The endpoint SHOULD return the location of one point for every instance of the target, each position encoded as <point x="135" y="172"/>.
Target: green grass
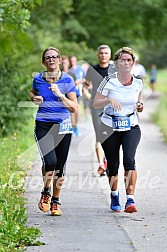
<point x="162" y="81"/>
<point x="161" y="85"/>
<point x="160" y="116"/>
<point x="14" y="233"/>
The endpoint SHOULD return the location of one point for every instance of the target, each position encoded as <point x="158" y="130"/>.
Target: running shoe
<point x="101" y="170"/>
<point x="115" y="205"/>
<point x="105" y="165"/>
<point x="44" y="203"/>
<point x="77" y="131"/>
<point x="55" y="208"/>
<point x="130" y="206"/>
<point x="74" y="131"/>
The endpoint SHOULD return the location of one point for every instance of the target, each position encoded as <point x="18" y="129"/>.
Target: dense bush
<point x="14" y="88"/>
<point x="15" y="46"/>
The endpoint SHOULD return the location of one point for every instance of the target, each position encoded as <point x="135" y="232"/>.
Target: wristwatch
<point x="61" y="98"/>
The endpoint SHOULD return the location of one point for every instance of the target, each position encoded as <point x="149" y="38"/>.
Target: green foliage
<point x="13" y="230"/>
<point x="119" y="23"/>
<point x="14" y="85"/>
<point x="65" y="31"/>
<point x="160" y="117"/>
<point x="73" y="29"/>
<point x="14" y="233"/>
<point x="153" y="53"/>
<point x="15" y="45"/>
<point x="16" y="12"/>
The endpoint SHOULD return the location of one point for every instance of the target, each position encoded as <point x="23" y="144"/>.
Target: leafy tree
<point x="14" y="46"/>
<point x="76" y="28"/>
<point x="120" y="23"/>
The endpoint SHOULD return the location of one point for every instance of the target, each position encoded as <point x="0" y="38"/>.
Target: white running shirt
<point x="127" y="96"/>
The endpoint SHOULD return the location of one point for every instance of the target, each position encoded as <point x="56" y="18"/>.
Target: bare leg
<point x="57" y="186"/>
<point x="73" y="120"/>
<point x="99" y="153"/>
<point x="130" y="181"/>
<point x="113" y="182"/>
<point x="100" y="158"/>
<point x="47" y="177"/>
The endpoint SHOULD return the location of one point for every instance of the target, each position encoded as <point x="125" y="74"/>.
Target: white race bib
<point x="65" y="127"/>
<point x="121" y="123"/>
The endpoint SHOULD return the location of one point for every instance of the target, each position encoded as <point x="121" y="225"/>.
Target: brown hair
<point x="122" y="50"/>
<point x="48" y="49"/>
<point x="65" y="57"/>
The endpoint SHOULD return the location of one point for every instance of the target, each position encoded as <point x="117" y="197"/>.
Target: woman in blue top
<point x="55" y="93"/>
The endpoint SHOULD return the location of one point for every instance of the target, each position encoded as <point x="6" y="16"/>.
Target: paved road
<point x="87" y="223"/>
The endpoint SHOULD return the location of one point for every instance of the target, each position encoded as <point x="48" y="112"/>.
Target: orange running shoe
<point x="105" y="165"/>
<point x="44" y="203"/>
<point x="55" y="208"/>
<point x="102" y="169"/>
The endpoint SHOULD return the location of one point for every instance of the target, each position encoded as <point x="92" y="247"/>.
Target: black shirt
<point x="95" y="74"/>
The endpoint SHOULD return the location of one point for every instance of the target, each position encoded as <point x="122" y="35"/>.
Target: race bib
<point x="65" y="127"/>
<point x="121" y="123"/>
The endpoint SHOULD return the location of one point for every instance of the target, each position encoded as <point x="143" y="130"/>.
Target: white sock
<point x="114" y="193"/>
<point x="130" y="196"/>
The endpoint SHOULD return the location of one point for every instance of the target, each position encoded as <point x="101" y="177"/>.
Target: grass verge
<point x="160" y="116"/>
<point x="14" y="232"/>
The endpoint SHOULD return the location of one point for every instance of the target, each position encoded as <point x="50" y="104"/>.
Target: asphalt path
<point x="87" y="223"/>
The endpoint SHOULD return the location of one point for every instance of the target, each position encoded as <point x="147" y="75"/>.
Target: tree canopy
<point x="76" y="28"/>
<point x="86" y="24"/>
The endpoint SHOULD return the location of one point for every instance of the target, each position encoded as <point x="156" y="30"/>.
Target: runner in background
<point x="138" y="69"/>
<point x="86" y="93"/>
<point x="65" y="66"/>
<point x="153" y="79"/>
<point x="80" y="74"/>
<point x="93" y="79"/>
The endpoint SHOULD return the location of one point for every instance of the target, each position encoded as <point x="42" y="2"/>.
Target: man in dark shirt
<point x="94" y="76"/>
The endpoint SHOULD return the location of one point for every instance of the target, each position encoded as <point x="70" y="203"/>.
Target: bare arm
<point x="139" y="105"/>
<point x="87" y="84"/>
<point x="101" y="101"/>
<point x="70" y="101"/>
<point x="35" y="98"/>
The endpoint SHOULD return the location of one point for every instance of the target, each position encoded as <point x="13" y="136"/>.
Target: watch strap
<point x="61" y="98"/>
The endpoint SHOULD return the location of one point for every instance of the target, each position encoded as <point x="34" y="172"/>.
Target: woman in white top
<point x="120" y="94"/>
